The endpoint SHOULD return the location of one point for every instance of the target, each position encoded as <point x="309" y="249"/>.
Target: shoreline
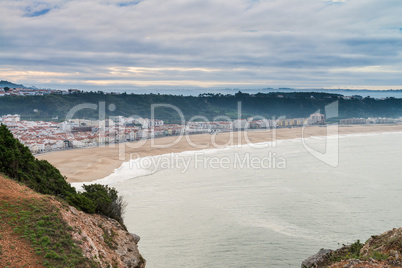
<point x="94" y="163"/>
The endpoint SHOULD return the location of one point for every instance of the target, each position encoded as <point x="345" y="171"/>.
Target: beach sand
<point x="89" y="164"/>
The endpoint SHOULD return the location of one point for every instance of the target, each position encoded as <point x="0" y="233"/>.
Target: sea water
<point x="192" y="214"/>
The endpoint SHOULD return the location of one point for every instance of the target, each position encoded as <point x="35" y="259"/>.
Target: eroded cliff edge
<point x="103" y="239"/>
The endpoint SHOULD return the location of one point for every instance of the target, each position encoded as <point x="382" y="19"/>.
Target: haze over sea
<point x="195" y="92"/>
<point x="262" y="217"/>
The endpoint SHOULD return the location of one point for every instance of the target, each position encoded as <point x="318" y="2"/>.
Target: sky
<point x="92" y="44"/>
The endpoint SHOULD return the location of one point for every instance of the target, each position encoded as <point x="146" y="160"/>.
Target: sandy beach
<point x="89" y="164"/>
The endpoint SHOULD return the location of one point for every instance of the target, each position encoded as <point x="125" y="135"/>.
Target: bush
<point x="355" y="248"/>
<point x="53" y="255"/>
<point x="106" y="200"/>
<point x="82" y="202"/>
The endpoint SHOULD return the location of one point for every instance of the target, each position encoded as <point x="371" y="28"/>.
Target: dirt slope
<point x="14" y="250"/>
<point x="31" y="223"/>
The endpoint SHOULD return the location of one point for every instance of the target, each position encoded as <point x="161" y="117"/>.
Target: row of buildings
<point x="370" y="120"/>
<point x="5" y="91"/>
<point x="42" y="136"/>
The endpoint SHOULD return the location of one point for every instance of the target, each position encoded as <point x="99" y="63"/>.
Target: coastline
<point x="90" y="164"/>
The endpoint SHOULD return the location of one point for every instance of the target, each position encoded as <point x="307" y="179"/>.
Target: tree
<point x="6" y="89"/>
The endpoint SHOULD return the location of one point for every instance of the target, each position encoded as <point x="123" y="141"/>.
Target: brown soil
<point x="15" y="251"/>
<point x="101" y="239"/>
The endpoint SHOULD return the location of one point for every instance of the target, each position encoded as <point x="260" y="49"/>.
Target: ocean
<point x="272" y="206"/>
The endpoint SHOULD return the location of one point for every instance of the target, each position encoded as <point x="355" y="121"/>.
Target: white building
<point x="240" y="124"/>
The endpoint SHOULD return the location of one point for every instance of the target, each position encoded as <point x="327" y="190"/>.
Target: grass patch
<point x="376" y="255"/>
<point x="39" y="222"/>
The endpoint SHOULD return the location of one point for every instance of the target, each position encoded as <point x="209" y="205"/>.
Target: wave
<point x="136" y="168"/>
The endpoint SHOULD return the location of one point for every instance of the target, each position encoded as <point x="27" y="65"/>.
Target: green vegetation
<point x="17" y="162"/>
<point x="353" y="252"/>
<point x="355" y="248"/>
<point x="10" y="85"/>
<point x="108" y="237"/>
<point x="291" y="105"/>
<point x="39" y="221"/>
<point x="106" y="201"/>
<point x="347" y="252"/>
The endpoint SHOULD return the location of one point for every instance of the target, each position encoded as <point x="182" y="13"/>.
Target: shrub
<point x="106" y="200"/>
<point x="53" y="255"/>
<point x="355" y="248"/>
<point x="82" y="202"/>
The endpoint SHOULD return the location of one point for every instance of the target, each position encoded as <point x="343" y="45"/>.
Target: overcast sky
<point x="202" y="43"/>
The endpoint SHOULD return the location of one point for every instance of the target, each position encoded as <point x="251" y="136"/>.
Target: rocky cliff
<point x="42" y="231"/>
<point x="383" y="250"/>
<point x="103" y="239"/>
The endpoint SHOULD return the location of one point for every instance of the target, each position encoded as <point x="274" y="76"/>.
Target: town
<point x="7" y="91"/>
<point x="40" y="136"/>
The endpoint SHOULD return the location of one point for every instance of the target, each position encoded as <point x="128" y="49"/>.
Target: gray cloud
<point x="202" y="43"/>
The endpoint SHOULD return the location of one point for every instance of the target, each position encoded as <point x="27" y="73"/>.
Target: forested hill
<point x="291" y="105"/>
<point x="4" y="83"/>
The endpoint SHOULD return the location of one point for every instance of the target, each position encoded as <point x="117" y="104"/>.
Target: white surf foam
<point x="129" y="170"/>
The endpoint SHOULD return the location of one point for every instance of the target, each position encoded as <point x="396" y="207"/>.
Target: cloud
<point x="244" y="42"/>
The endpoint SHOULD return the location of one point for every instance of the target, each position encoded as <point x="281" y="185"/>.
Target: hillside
<point x="291" y="105"/>
<point x="40" y="231"/>
<point x="43" y="220"/>
<point x="17" y="162"/>
<point x="4" y="83"/>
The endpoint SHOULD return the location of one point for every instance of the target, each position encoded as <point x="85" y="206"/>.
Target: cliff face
<point x="40" y="231"/>
<point x="103" y="239"/>
<point x="383" y="250"/>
